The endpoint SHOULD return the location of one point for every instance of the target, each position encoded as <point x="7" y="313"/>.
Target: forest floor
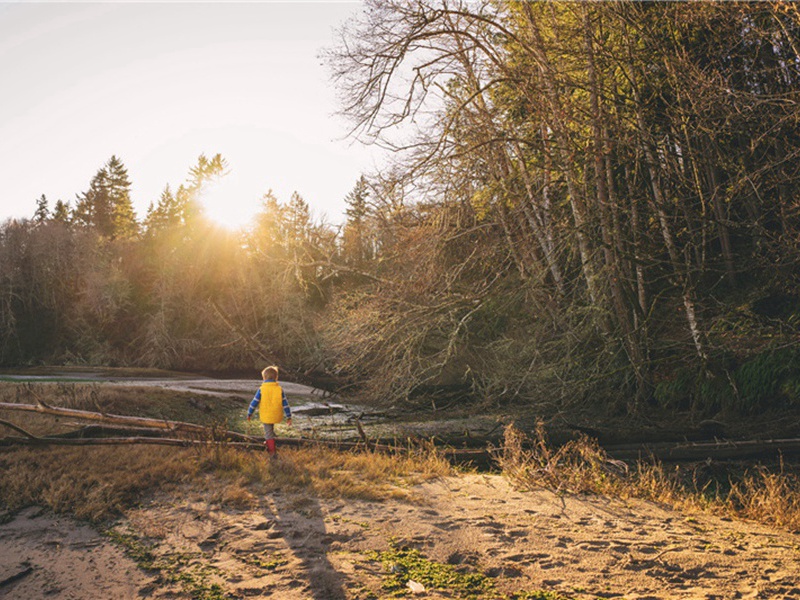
<point x="465" y="536"/>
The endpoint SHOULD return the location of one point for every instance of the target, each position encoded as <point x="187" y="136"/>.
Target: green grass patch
<point x="404" y="564"/>
<point x="135" y="548"/>
<point x="266" y="561"/>
<point x="194" y="578"/>
<point x="538" y="595"/>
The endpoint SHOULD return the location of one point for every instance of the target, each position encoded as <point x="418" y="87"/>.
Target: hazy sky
<point x="157" y="85"/>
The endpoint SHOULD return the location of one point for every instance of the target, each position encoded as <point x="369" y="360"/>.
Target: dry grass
<point x="98" y="483"/>
<point x="323" y="472"/>
<point x="89" y="483"/>
<point x="768" y="496"/>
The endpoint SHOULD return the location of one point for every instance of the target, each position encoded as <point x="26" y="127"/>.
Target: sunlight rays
<point x="228" y="203"/>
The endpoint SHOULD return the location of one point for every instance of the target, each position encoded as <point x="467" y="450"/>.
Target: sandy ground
<point x="42" y="556"/>
<point x="295" y="547"/>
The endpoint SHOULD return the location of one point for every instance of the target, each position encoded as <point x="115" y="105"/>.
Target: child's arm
<point x="287" y="412"/>
<point x="254" y="403"/>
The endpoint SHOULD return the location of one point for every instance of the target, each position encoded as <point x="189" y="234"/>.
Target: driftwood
<point x="141" y="434"/>
<point x="256" y="444"/>
<point x="139" y="426"/>
<point x="140" y="430"/>
<point x="477" y="458"/>
<point x="698" y="451"/>
<point x="86" y="415"/>
<point x="123" y="441"/>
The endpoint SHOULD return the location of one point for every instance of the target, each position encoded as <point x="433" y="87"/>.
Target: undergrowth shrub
<point x="581" y="466"/>
<point x="770" y="379"/>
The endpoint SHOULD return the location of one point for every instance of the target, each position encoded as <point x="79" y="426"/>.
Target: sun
<point x="229" y="203"/>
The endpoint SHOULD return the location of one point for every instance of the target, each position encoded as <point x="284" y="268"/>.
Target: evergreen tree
<point x="355" y="242"/>
<point x="106" y="206"/>
<point x="298" y="219"/>
<point x="61" y="212"/>
<point x="123" y="218"/>
<point x="269" y="235"/>
<point x="42" y="211"/>
<point x="93" y="207"/>
<point x="187" y="198"/>
<point x="164" y="215"/>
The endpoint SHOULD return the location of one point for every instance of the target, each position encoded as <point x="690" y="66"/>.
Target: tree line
<point x="586" y="202"/>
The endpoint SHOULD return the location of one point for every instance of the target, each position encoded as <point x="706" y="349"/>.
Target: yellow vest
<point x="270" y="409"/>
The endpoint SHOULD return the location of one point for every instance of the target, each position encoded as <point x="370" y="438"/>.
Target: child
<point x="273" y="406"/>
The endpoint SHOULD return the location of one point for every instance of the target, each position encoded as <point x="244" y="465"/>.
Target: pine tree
<point x="355" y="242"/>
<point x="164" y="215"/>
<point x="187" y="198"/>
<point x="269" y="235"/>
<point x="93" y="207"/>
<point x="106" y="205"/>
<point x="61" y="212"/>
<point x="123" y="218"/>
<point x="42" y="211"/>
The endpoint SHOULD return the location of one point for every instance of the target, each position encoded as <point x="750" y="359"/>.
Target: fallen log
<point x="147" y="426"/>
<point x="458" y="456"/>
<point x="86" y="415"/>
<point x="124" y="441"/>
<point x="474" y="458"/>
<point x="97" y="431"/>
<point x="698" y="451"/>
<point x="17" y="428"/>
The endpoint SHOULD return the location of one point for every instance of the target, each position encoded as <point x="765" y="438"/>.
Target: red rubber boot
<point x="271" y="447"/>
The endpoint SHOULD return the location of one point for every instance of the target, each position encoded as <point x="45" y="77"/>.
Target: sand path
<point x="294" y="547"/>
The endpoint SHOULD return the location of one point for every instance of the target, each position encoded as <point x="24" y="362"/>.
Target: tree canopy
<point x="586" y="202"/>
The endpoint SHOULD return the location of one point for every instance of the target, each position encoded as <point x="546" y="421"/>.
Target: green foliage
<point x="404" y="564"/>
<point x="140" y="551"/>
<point x="193" y="577"/>
<point x="106" y="206"/>
<point x="768" y="380"/>
<point x="267" y="562"/>
<point x="538" y="595"/>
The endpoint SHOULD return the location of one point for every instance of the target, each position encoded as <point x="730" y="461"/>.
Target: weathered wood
<point x="86" y="415"/>
<point x="479" y="458"/>
<point x="718" y="450"/>
<point x="685" y="451"/>
<point x="17" y="428"/>
<point x="96" y="431"/>
<point x="121" y="441"/>
<point x="183" y="427"/>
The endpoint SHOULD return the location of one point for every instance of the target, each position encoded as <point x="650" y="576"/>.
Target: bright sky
<point x="159" y="84"/>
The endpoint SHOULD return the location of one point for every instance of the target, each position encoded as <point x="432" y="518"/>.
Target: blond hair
<point x="270" y="373"/>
